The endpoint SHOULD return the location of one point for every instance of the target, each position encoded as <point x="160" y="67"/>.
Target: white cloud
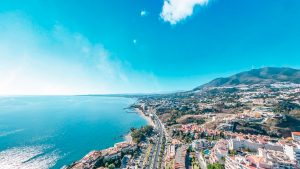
<point x="176" y="10"/>
<point x="144" y="13"/>
<point x="38" y="61"/>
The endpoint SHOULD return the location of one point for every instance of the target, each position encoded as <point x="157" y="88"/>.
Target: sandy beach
<point x="128" y="137"/>
<point x="147" y="118"/>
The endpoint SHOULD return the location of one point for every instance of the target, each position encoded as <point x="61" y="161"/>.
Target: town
<point x="232" y="127"/>
<point x="245" y="126"/>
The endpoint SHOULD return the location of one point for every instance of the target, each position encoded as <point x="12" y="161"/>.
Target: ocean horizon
<point x="41" y="132"/>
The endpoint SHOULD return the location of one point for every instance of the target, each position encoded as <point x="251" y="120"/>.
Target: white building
<point x="277" y="159"/>
<point x="236" y="162"/>
<point x="292" y="150"/>
<point x="296" y="136"/>
<point x="219" y="151"/>
<point x="171" y="150"/>
<point x="238" y="143"/>
<point x="252" y="145"/>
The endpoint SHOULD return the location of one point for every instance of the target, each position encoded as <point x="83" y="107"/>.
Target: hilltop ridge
<point x="266" y="75"/>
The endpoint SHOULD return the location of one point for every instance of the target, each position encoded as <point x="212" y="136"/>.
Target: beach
<point x="147" y="118"/>
<point x="128" y="137"/>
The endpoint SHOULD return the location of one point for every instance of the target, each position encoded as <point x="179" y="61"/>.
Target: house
<point x="200" y="144"/>
<point x="124" y="161"/>
<point x="296" y="136"/>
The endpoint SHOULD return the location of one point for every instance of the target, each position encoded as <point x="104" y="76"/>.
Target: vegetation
<point x="194" y="163"/>
<point x="232" y="152"/>
<point x="216" y="166"/>
<point x="108" y="162"/>
<point x="111" y="166"/>
<point x="193" y="120"/>
<point x="256" y="76"/>
<point x="141" y="134"/>
<point x="162" y="151"/>
<point x="170" y="165"/>
<point x="286" y="107"/>
<point x="147" y="154"/>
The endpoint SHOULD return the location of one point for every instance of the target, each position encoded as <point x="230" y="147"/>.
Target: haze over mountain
<point x="265" y="75"/>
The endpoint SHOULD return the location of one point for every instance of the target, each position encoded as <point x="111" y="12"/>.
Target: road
<point x="154" y="162"/>
<point x="150" y="159"/>
<point x="159" y="144"/>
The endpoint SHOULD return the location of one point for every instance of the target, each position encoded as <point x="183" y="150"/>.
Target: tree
<point x="132" y="129"/>
<point x="139" y="135"/>
<point x="111" y="166"/>
<point x="232" y="152"/>
<point x="222" y="135"/>
<point x="202" y="134"/>
<point x="200" y="121"/>
<point x="147" y="130"/>
<point x="216" y="166"/>
<point x="213" y="137"/>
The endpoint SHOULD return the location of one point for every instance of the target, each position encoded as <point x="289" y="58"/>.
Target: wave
<point x="2" y="134"/>
<point x="28" y="157"/>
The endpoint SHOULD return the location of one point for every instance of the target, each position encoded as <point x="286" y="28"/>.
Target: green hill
<point x="265" y="75"/>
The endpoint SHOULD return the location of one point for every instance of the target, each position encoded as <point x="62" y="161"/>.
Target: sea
<point x="41" y="132"/>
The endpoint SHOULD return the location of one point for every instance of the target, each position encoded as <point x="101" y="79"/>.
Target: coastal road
<point x="150" y="159"/>
<point x="159" y="144"/>
<point x="154" y="163"/>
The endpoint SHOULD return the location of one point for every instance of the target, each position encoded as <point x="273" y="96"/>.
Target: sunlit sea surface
<point x="40" y="132"/>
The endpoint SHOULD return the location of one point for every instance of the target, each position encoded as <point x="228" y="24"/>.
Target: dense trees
<point x="216" y="166"/>
<point x="286" y="106"/>
<point x="111" y="166"/>
<point x="141" y="134"/>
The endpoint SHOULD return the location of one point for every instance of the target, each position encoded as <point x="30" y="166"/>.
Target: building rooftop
<point x="296" y="133"/>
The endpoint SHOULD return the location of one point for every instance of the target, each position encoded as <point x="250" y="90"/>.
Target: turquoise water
<point x="206" y="152"/>
<point x="51" y="131"/>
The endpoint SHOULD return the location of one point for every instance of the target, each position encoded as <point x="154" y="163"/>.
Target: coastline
<point x="147" y="118"/>
<point x="127" y="137"/>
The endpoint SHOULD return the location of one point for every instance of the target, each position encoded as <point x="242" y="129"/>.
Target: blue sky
<point x="132" y="46"/>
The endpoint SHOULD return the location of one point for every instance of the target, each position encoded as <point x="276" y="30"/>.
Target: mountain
<point x="264" y="75"/>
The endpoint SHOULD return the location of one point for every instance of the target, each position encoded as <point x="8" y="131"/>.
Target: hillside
<point x="262" y="76"/>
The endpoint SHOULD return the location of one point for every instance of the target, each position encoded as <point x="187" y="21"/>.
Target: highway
<point x="154" y="162"/>
<point x="159" y="144"/>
